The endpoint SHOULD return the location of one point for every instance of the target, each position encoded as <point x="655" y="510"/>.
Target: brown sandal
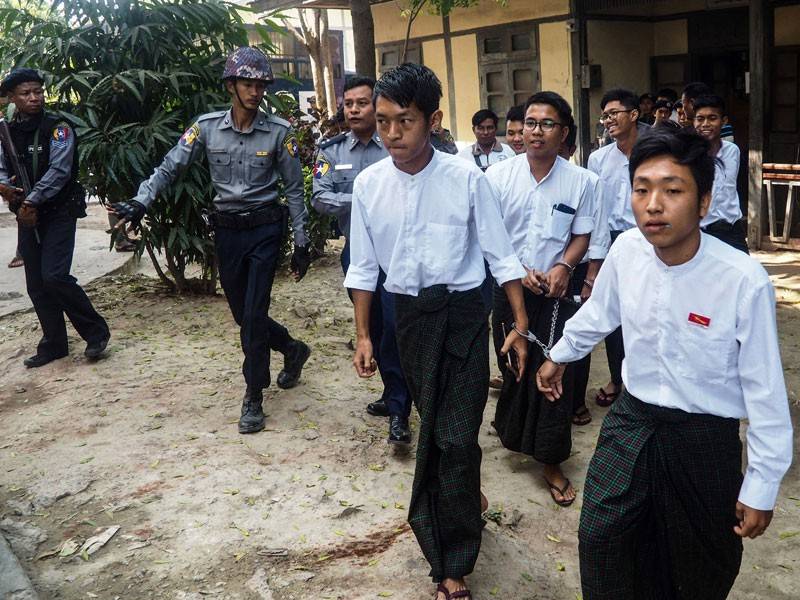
<point x="562" y="491"/>
<point x="604" y="398"/>
<point x="582" y="416"/>
<point x="448" y="595"/>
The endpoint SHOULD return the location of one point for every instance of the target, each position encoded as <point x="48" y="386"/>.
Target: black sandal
<point x="582" y="416"/>
<point x="561" y="491"/>
<point x="448" y="595"/>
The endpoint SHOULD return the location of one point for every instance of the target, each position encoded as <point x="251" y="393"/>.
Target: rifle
<point x="10" y="151"/>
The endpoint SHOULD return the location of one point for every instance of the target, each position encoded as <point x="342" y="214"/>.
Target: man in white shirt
<point x="515" y="134"/>
<point x="665" y="504"/>
<point x="547" y="205"/>
<point x="428" y="220"/>
<point x="487" y="149"/>
<point x="620" y="116"/>
<point x="724" y="218"/>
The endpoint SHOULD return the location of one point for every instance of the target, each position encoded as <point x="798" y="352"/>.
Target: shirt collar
<point x="261" y="122"/>
<point x="476" y="149"/>
<point x="422" y="175"/>
<point x="556" y="166"/>
<point x="376" y="139"/>
<point x="684" y="267"/>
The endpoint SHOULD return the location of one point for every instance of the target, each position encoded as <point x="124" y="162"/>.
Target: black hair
<point x="677" y="105"/>
<point x="483" y="114"/>
<point x="667" y="93"/>
<point x="696" y="89"/>
<point x="710" y="101"/>
<point x="551" y="98"/>
<point x="17" y="76"/>
<point x="625" y="97"/>
<point x="684" y="146"/>
<point x="410" y="83"/>
<point x="358" y="81"/>
<point x="662" y="104"/>
<point x="515" y="113"/>
<point x="667" y="124"/>
<point x="647" y="96"/>
<point x="572" y="136"/>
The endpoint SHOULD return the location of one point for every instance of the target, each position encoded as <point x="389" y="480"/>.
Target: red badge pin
<point x="699" y="319"/>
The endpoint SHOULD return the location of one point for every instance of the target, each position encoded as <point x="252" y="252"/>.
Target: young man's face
<point x="618" y="119"/>
<point x="543" y="144"/>
<point x="663" y="114"/>
<point x="28" y="97"/>
<point x="708" y="122"/>
<point x="485" y="133"/>
<point x="515" y="137"/>
<point x="688" y="107"/>
<point x="645" y="106"/>
<point x="405" y="131"/>
<point x="665" y="203"/>
<point x="683" y="120"/>
<point x="359" y="113"/>
<point x="246" y="93"/>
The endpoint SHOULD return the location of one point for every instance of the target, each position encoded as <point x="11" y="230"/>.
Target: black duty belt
<point x="724" y="227"/>
<point x="269" y="213"/>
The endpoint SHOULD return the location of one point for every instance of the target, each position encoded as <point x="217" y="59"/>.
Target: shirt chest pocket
<point x="259" y="169"/>
<point x="219" y="164"/>
<point x="702" y="358"/>
<point x="444" y="247"/>
<point x="343" y="181"/>
<point x="559" y="225"/>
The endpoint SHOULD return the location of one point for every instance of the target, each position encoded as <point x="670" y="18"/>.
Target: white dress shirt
<point x="475" y="155"/>
<point x="611" y="165"/>
<point x="435" y="227"/>
<point x="724" y="197"/>
<point x="700" y="337"/>
<point x="600" y="240"/>
<point x="542" y="216"/>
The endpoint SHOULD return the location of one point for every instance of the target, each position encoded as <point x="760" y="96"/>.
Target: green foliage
<point x="132" y="75"/>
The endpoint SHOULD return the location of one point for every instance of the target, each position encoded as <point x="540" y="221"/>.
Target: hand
<point x="519" y="345"/>
<point x="586" y="293"/>
<point x="27" y="215"/>
<point x="363" y="360"/>
<point x="131" y="212"/>
<point x="535" y="281"/>
<point x="557" y="280"/>
<point x="548" y="380"/>
<point x="11" y="194"/>
<point x="752" y="522"/>
<point x="301" y="260"/>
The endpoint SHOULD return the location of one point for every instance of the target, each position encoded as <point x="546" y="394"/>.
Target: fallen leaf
<point x="560" y="567"/>
<point x="553" y="538"/>
<point x="94" y="543"/>
<point x="784" y="535"/>
<point x="87" y="459"/>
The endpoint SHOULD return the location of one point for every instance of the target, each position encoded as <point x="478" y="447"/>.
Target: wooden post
<point x="758" y="76"/>
<point x="451" y="78"/>
<point x="580" y="96"/>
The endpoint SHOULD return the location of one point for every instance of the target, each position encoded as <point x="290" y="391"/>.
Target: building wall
<point x="491" y="12"/>
<point x="787" y="25"/>
<point x="434" y="54"/>
<point x="465" y="71"/>
<point x="390" y="26"/>
<point x="670" y="37"/>
<point x="555" y="59"/>
<point x="623" y="50"/>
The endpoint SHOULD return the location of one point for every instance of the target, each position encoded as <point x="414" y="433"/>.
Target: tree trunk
<point x="327" y="64"/>
<point x="363" y="37"/>
<point x="415" y="10"/>
<point x="309" y="36"/>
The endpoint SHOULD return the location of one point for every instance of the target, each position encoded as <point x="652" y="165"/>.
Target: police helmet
<point x="17" y="76"/>
<point x="248" y="63"/>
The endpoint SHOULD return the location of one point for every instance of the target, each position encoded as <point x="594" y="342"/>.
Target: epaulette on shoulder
<point x="279" y="121"/>
<point x="212" y="115"/>
<point x="331" y="141"/>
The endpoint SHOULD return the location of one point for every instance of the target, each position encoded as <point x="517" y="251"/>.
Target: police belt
<point x="723" y="227"/>
<point x="269" y="213"/>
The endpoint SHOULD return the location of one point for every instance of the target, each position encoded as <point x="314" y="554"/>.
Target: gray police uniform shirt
<point x="338" y="161"/>
<point x="59" y="171"/>
<point x="244" y="165"/>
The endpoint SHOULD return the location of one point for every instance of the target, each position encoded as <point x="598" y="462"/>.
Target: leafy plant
<point x="132" y="75"/>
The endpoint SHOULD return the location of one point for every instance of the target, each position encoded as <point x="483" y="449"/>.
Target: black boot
<point x="40" y="360"/>
<point x="252" y="419"/>
<point x="293" y="361"/>
<point x="399" y="433"/>
<point x="378" y="408"/>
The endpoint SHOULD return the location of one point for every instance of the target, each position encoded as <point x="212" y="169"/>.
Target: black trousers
<point x="53" y="291"/>
<point x="732" y="234"/>
<point x="615" y="347"/>
<point x="580" y="368"/>
<point x="248" y="259"/>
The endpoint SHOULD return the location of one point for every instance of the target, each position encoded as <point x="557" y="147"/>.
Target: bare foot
<point x="560" y="487"/>
<point x="453" y="585"/>
<point x="611" y="388"/>
<point x="484" y="503"/>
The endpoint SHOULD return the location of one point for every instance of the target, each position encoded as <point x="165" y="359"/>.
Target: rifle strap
<point x="35" y="155"/>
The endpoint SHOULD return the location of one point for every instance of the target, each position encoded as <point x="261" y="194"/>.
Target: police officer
<point x="247" y="151"/>
<point x="338" y="161"/>
<point x="47" y="146"/>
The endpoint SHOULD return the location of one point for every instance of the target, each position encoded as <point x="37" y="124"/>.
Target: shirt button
<point x="240" y="162"/>
<point x="240" y="143"/>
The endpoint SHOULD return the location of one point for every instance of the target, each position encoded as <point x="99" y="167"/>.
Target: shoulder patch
<point x="190" y="136"/>
<point x="290" y="143"/>
<point x="321" y="167"/>
<point x="331" y="141"/>
<point x="61" y="134"/>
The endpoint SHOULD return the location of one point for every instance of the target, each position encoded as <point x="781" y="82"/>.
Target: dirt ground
<point x="314" y="507"/>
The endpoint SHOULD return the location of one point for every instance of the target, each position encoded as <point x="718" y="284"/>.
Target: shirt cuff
<point x="507" y="269"/>
<point x="301" y="239"/>
<point x="582" y="225"/>
<point x="757" y="493"/>
<point x="361" y="279"/>
<point x="563" y="352"/>
<point x="597" y="252"/>
<point x="34" y="198"/>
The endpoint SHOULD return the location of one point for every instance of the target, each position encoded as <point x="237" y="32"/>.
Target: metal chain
<point x="531" y="337"/>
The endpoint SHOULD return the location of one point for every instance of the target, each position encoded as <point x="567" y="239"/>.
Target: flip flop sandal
<point x="561" y="491"/>
<point x="17" y="261"/>
<point x="448" y="595"/>
<point x="604" y="398"/>
<point x="496" y="382"/>
<point x="582" y="416"/>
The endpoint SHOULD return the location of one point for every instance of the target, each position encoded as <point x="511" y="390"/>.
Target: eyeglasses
<point x="546" y="125"/>
<point x="613" y="114"/>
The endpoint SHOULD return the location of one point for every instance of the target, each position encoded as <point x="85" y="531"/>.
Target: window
<point x="389" y="55"/>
